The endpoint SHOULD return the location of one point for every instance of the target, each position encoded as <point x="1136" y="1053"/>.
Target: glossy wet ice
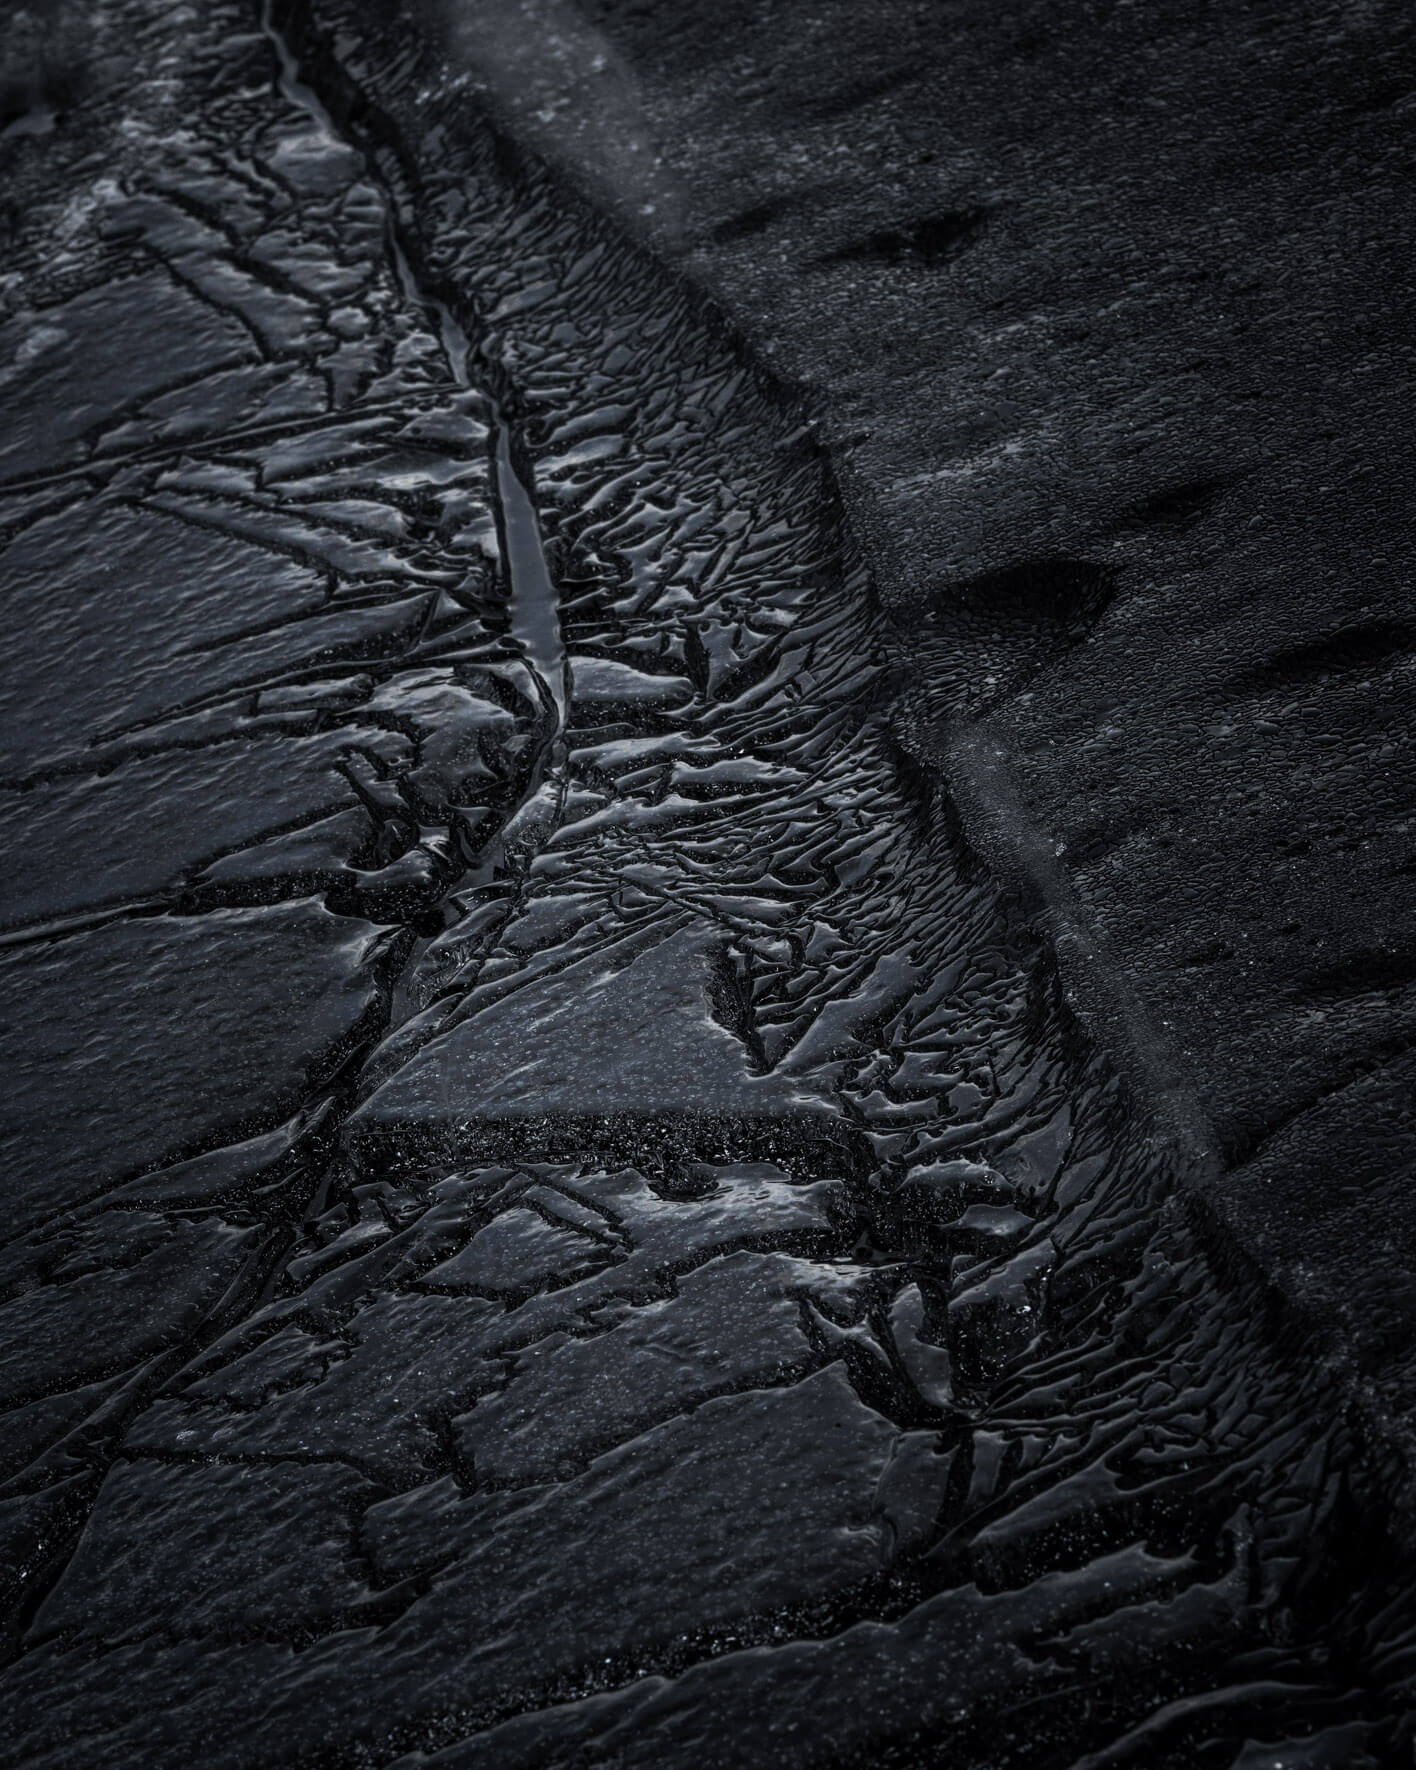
<point x="557" y="1215"/>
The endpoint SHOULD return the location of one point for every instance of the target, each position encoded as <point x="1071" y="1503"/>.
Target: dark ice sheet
<point x="560" y="1214"/>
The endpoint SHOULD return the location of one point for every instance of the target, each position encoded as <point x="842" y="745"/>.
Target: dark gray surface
<point x="1121" y="295"/>
<point x="558" y="1212"/>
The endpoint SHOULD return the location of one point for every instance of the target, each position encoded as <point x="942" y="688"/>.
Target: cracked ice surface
<point x="556" y="1209"/>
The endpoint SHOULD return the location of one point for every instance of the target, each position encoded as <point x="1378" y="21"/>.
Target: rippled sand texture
<point x="557" y="1217"/>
